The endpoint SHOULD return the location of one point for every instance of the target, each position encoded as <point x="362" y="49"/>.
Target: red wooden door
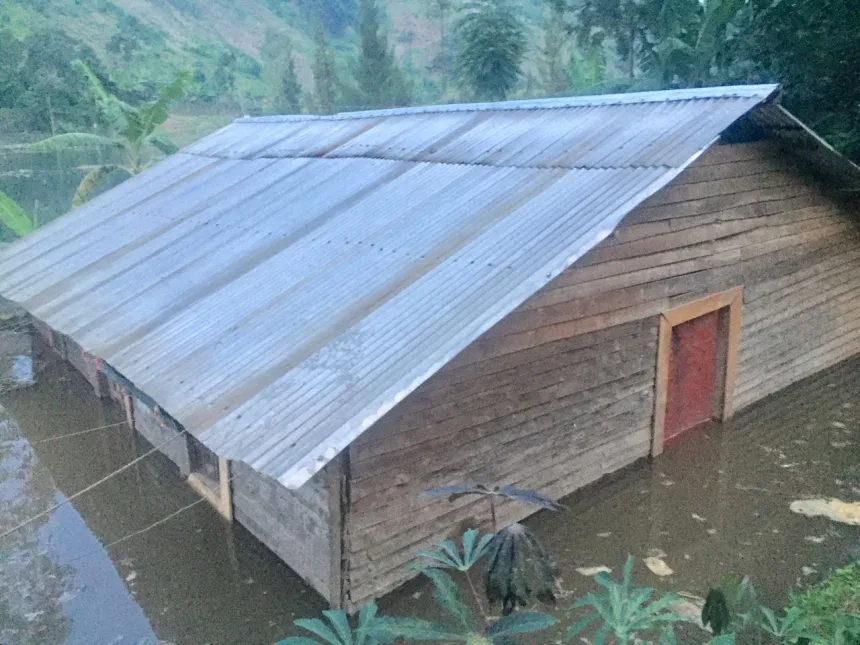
<point x="692" y="374"/>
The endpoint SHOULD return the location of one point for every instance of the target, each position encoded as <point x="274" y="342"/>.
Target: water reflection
<point x="714" y="502"/>
<point x="718" y="502"/>
<point x="192" y="580"/>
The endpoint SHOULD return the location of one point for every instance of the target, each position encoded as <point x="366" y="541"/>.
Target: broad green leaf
<point x="318" y="627"/>
<point x="161" y="143"/>
<point x="521" y="622"/>
<point x="447" y="595"/>
<point x="155" y="113"/>
<point x="13" y="216"/>
<point x="340" y="622"/>
<point x="297" y="640"/>
<point x="469" y="543"/>
<point x="437" y="557"/>
<point x="366" y="618"/>
<point x="112" y="109"/>
<point x="73" y="140"/>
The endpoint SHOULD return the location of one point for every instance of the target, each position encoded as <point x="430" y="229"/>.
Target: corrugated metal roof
<point x="280" y="285"/>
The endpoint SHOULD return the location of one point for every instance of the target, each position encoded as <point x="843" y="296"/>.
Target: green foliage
<point x="337" y="630"/>
<point x="462" y="625"/>
<point x="811" y="46"/>
<point x="13" y="217"/>
<point x="39" y="84"/>
<point x="716" y="613"/>
<point x="131" y="129"/>
<point x="379" y="81"/>
<point x="490" y="46"/>
<point x="519" y="570"/>
<point x="325" y="77"/>
<point x="554" y="55"/>
<point x="282" y="78"/>
<point x="840" y="593"/>
<point x="448" y="555"/>
<point x="625" y="612"/>
<point x="623" y="22"/>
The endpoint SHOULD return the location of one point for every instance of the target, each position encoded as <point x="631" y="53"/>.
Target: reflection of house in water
<point x="30" y="580"/>
<point x="317" y="319"/>
<point x="193" y="580"/>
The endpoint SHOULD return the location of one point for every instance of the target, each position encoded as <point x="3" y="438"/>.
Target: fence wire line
<point x="133" y="534"/>
<point x="77" y="434"/>
<point x="83" y="491"/>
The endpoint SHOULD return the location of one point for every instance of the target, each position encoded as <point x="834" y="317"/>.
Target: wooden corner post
<point x="731" y="301"/>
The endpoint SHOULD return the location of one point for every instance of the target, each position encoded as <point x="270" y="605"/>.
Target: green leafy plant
<point x="461" y="624"/>
<point x="13" y="216"/>
<point x="490" y="46"/>
<point x="130" y="130"/>
<point x="448" y="555"/>
<point x="519" y="569"/>
<point x="625" y="612"/>
<point x="337" y="630"/>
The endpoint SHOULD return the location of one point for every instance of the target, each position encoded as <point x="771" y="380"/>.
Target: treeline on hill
<point x="484" y="50"/>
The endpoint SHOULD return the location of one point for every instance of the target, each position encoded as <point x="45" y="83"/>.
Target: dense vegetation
<point x="330" y="55"/>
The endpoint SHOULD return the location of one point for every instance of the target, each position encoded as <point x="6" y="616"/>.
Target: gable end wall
<point x="560" y="392"/>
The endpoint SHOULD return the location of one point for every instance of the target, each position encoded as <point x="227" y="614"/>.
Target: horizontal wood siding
<point x="297" y="525"/>
<point x="553" y="418"/>
<point x="560" y="392"/>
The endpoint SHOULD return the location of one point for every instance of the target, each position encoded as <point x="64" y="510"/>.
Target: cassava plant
<point x="625" y="613"/>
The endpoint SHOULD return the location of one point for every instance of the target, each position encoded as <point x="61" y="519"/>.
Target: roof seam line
<point x="448" y="163"/>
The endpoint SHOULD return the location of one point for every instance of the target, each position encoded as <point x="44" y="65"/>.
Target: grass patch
<point x="840" y="593"/>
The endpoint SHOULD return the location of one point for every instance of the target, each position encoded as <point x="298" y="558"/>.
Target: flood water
<point x="714" y="502"/>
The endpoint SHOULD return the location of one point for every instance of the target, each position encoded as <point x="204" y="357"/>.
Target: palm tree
<point x="13" y="217"/>
<point x="128" y="129"/>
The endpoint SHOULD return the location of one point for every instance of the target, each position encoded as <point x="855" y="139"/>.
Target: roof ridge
<point x="763" y="91"/>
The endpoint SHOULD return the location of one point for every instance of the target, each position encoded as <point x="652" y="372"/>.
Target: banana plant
<point x="625" y="612"/>
<point x="129" y="130"/>
<point x="14" y="217"/>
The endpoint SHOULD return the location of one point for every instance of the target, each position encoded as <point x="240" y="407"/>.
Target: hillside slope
<point x="145" y="41"/>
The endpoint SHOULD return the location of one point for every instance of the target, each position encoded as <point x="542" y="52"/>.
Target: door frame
<point x="727" y="354"/>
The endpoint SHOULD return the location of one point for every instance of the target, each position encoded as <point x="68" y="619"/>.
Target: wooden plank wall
<point x="560" y="392"/>
<point x="299" y="526"/>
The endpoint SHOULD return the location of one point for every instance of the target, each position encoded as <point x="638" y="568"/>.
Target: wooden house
<point x="320" y="318"/>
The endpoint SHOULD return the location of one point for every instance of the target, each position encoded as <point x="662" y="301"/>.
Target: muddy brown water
<point x="716" y="501"/>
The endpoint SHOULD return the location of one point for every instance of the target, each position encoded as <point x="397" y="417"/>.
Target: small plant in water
<point x="625" y="613"/>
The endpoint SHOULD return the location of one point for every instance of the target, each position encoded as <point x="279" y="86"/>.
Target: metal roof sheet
<point x="280" y="285"/>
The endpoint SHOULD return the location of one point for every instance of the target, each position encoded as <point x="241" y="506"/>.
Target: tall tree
<point x="325" y="76"/>
<point x="130" y="130"/>
<point x="280" y="70"/>
<point x="491" y="44"/>
<point x="813" y="48"/>
<point x="554" y="54"/>
<point x="379" y="82"/>
<point x="439" y="9"/>
<point x="622" y="21"/>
